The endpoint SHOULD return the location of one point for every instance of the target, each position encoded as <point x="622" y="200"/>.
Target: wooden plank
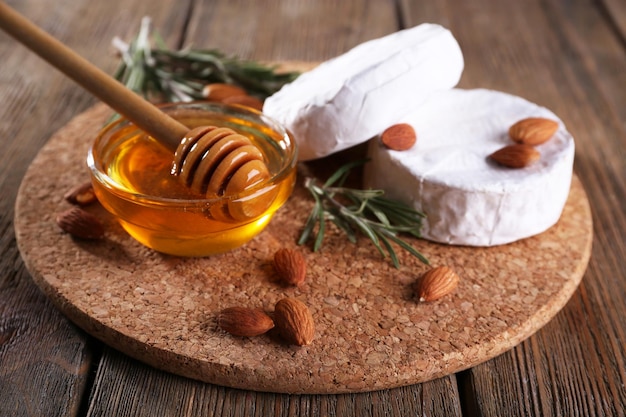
<point x="44" y="359"/>
<point x="572" y="62"/>
<point x="616" y="13"/>
<point x="124" y="387"/>
<point x="595" y="71"/>
<point x="289" y="30"/>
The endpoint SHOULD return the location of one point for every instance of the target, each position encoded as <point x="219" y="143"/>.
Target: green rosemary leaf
<point x="368" y="231"/>
<point x="120" y="72"/>
<point x="363" y="226"/>
<point x="357" y="194"/>
<point x="159" y="41"/>
<point x="408" y="248"/>
<point x="311" y="221"/>
<point x="390" y="250"/>
<point x="396" y="206"/>
<point x="343" y="225"/>
<point x="321" y="229"/>
<point x="202" y="57"/>
<point x="343" y="171"/>
<point x="308" y="228"/>
<point x="380" y="215"/>
<point x="317" y="191"/>
<point x="397" y="212"/>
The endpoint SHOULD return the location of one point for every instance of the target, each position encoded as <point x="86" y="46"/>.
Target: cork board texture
<point x="370" y="332"/>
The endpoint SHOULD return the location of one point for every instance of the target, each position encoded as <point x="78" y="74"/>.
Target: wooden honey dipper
<point x="218" y="161"/>
<point x="210" y="160"/>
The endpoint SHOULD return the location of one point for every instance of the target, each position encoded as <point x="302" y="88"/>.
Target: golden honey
<point x="132" y="179"/>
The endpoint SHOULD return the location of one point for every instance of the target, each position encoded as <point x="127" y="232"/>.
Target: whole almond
<point x="221" y="91"/>
<point x="244" y="100"/>
<point x="399" y="137"/>
<point x="533" y="130"/>
<point x="290" y="266"/>
<point x="243" y="321"/>
<point x="516" y="156"/>
<point x="294" y="321"/>
<point x="82" y="194"/>
<point x="436" y="283"/>
<point x="80" y="223"/>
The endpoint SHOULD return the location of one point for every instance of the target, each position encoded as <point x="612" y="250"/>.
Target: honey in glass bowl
<point x="131" y="174"/>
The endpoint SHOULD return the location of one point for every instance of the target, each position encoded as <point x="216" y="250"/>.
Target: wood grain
<point x="297" y="30"/>
<point x="162" y="393"/>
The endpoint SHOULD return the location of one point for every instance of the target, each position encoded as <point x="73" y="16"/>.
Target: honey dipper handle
<point x="143" y="114"/>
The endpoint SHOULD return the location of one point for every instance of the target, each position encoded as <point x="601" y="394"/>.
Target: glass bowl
<point x="131" y="175"/>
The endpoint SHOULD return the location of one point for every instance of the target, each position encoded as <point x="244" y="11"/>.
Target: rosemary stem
<point x="368" y="211"/>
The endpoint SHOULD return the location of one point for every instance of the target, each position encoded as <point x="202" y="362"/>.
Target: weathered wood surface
<point x="569" y="56"/>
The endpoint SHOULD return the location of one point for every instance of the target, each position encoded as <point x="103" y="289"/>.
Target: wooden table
<point x="569" y="56"/>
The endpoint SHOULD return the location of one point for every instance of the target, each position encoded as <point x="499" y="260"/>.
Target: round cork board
<point x="370" y="332"/>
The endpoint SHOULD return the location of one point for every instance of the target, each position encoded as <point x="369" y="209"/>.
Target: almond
<point x="436" y="283"/>
<point x="294" y="321"/>
<point x="244" y="100"/>
<point x="399" y="137"/>
<point x="243" y="321"/>
<point x="290" y="266"/>
<point x="80" y="223"/>
<point x="221" y="91"/>
<point x="533" y="130"/>
<point x="82" y="194"/>
<point x="516" y="156"/>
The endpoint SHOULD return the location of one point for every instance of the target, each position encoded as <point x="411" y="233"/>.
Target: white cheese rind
<point x="468" y="199"/>
<point x="353" y="97"/>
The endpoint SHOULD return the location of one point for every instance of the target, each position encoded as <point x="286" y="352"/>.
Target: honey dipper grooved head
<point x="215" y="161"/>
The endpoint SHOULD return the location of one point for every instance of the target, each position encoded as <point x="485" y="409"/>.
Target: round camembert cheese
<point x="467" y="198"/>
<point x="353" y="97"/>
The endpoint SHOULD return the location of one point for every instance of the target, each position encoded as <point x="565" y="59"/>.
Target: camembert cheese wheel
<point x="467" y="198"/>
<point x="353" y="97"/>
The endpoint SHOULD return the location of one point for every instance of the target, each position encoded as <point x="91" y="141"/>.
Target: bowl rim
<point x="287" y="165"/>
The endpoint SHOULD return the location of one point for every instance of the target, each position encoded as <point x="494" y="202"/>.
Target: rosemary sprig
<point x="161" y="74"/>
<point x="367" y="211"/>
